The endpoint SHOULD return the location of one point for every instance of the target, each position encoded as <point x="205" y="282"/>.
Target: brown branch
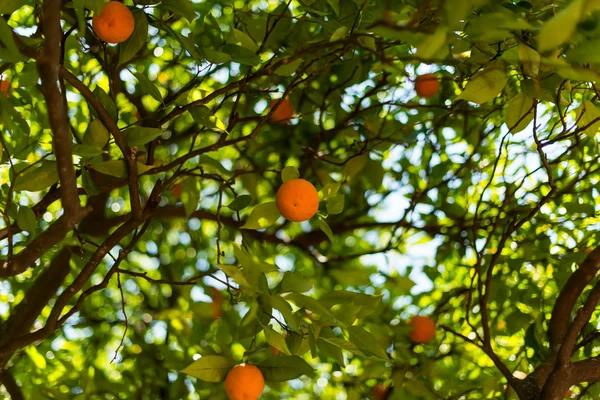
<point x="128" y="153"/>
<point x="40" y="245"/>
<point x="37" y="297"/>
<point x="11" y="386"/>
<point x="561" y="314"/>
<point x="48" y="64"/>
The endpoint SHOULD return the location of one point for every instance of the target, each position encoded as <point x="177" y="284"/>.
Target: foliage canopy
<point x="139" y="224"/>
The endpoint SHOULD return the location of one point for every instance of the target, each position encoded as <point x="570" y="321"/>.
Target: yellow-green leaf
<point x="276" y="340"/>
<point x="263" y="216"/>
<point x="558" y="29"/>
<point x="530" y="59"/>
<point x="587" y="113"/>
<point x="209" y="368"/>
<point x="485" y="85"/>
<point x="289" y="173"/>
<point x="519" y="112"/>
<point x="39" y="178"/>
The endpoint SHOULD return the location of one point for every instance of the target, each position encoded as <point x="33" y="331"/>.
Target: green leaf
<point x="519" y="112"/>
<point x="212" y="30"/>
<point x="88" y="184"/>
<point x="310" y="304"/>
<point x="241" y="55"/>
<point x="203" y="116"/>
<point x="278" y="303"/>
<point x="6" y="36"/>
<point x="139" y="136"/>
<point x="263" y="216"/>
<point x="485" y="85"/>
<point x="530" y="59"/>
<point x="236" y="274"/>
<point x="84" y="150"/>
<point x="284" y="368"/>
<point x="237" y="36"/>
<point x="368" y="42"/>
<point x="558" y="29"/>
<point x="117" y="168"/>
<point x="585" y="52"/>
<point x="210" y="164"/>
<point x="366" y="341"/>
<point x="325" y="228"/>
<point x="95" y="5"/>
<point x="276" y="340"/>
<point x="214" y="56"/>
<point x="432" y="45"/>
<point x="148" y="87"/>
<point x="138" y="38"/>
<point x="181" y="7"/>
<point x="327" y="350"/>
<point x="240" y="202"/>
<point x="289" y="68"/>
<point x="291" y="282"/>
<point x="354" y="166"/>
<point x="190" y="195"/>
<point x="335" y="205"/>
<point x="96" y="135"/>
<point x="329" y="190"/>
<point x="250" y="261"/>
<point x="39" y="178"/>
<point x="10" y="6"/>
<point x="26" y="219"/>
<point x="335" y="6"/>
<point x="79" y="7"/>
<point x="107" y="102"/>
<point x="344" y="345"/>
<point x="587" y="113"/>
<point x="339" y="33"/>
<point x="289" y="173"/>
<point x="209" y="368"/>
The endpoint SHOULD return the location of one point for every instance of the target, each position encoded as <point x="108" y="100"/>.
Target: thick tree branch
<point x="48" y="64"/>
<point x="40" y="245"/>
<point x="37" y="297"/>
<point x="129" y="154"/>
<point x="561" y="314"/>
<point x="8" y="381"/>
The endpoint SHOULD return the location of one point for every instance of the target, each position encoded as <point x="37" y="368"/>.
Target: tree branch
<point x="8" y="381"/>
<point x="48" y="65"/>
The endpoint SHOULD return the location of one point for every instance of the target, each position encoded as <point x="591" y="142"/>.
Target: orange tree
<point x="143" y="251"/>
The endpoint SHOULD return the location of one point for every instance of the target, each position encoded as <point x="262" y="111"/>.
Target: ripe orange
<point x="4" y="87"/>
<point x="114" y="24"/>
<point x="177" y="190"/>
<point x="244" y="382"/>
<point x="379" y="392"/>
<point x="427" y="85"/>
<point x="284" y="111"/>
<point x="216" y="304"/>
<point x="297" y="200"/>
<point x="424" y="329"/>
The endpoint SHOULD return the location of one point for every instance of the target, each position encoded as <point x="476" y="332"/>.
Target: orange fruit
<point x="244" y="382"/>
<point x="379" y="392"/>
<point x="427" y="85"/>
<point x="424" y="329"/>
<point x="297" y="200"/>
<point x="284" y="111"/>
<point x="177" y="190"/>
<point x="4" y="87"/>
<point x="216" y="304"/>
<point x="114" y="24"/>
